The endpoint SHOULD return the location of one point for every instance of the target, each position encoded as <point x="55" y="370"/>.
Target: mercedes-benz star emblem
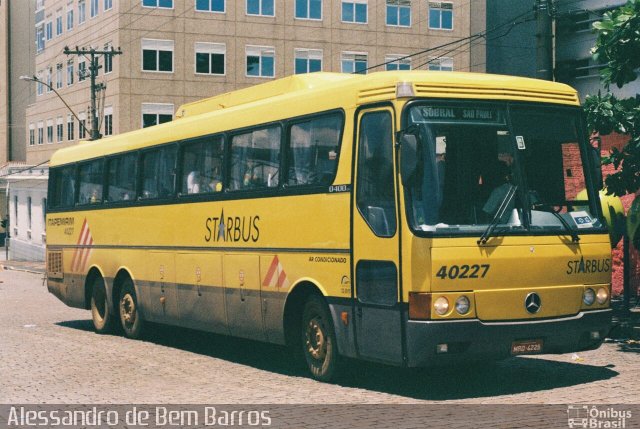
<point x="532" y="303"/>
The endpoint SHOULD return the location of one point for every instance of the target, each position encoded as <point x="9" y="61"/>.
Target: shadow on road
<point x="512" y="376"/>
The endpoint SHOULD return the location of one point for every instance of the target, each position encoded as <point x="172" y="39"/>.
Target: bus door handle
<point x="359" y="312"/>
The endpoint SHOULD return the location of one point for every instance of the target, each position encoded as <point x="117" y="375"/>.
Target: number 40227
<point x="463" y="271"/>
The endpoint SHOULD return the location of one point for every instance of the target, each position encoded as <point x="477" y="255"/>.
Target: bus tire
<point x="319" y="345"/>
<point x="130" y="318"/>
<point x="101" y="312"/>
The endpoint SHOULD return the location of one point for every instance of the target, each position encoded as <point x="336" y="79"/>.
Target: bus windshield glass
<point x="521" y="168"/>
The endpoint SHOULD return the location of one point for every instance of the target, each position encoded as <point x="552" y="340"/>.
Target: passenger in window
<point x="94" y="197"/>
<point x="215" y="185"/>
<point x="193" y="183"/>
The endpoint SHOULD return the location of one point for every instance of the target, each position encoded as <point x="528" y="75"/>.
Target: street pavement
<point x="50" y="354"/>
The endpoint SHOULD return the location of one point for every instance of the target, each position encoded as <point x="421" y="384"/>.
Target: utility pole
<point x="545" y="14"/>
<point x="93" y="73"/>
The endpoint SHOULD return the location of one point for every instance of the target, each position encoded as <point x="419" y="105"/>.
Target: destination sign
<point x="464" y="114"/>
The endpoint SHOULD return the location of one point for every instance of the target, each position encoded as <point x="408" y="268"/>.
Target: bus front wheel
<point x="101" y="312"/>
<point x="130" y="318"/>
<point x="319" y="339"/>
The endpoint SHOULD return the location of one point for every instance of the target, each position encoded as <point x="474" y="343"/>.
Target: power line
<point x="481" y="34"/>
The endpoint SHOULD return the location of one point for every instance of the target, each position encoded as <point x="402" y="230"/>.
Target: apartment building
<point x="179" y="51"/>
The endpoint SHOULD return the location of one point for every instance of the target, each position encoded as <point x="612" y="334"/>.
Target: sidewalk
<point x="29" y="266"/>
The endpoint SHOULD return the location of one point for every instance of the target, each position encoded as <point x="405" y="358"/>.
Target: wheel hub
<point x="316" y="340"/>
<point x="128" y="309"/>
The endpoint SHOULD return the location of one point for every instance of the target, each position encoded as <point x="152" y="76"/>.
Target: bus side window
<point x="122" y="178"/>
<point x="158" y="173"/>
<point x="64" y="187"/>
<point x="255" y="159"/>
<point x="313" y="151"/>
<point x="90" y="177"/>
<point x="202" y="166"/>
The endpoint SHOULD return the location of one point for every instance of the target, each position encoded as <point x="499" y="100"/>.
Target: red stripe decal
<point x="271" y="271"/>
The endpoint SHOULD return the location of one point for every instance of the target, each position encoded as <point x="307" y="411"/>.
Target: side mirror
<point x="597" y="168"/>
<point x="409" y="158"/>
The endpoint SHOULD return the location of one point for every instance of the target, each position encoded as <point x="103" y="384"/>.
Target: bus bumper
<point x="472" y="340"/>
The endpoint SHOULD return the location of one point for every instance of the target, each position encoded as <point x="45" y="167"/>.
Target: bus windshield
<point x="521" y="168"/>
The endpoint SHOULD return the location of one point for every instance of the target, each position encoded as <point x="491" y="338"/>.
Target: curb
<point x="23" y="269"/>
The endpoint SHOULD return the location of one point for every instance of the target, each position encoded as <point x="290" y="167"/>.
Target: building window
<point x="58" y="76"/>
<point x="69" y="72"/>
<point x="59" y="23"/>
<point x="69" y="19"/>
<point x="210" y="58"/>
<point x="354" y="11"/>
<point x="164" y="4"/>
<point x="441" y="64"/>
<point x="309" y="9"/>
<point x="32" y="134"/>
<point x="260" y="7"/>
<point x="49" y="84"/>
<point x="82" y="69"/>
<point x="440" y="16"/>
<point x="108" y="4"/>
<point x="49" y="27"/>
<point x="108" y="121"/>
<point x="59" y="129"/>
<point x="399" y="13"/>
<point x="156" y="113"/>
<point x="354" y="62"/>
<point x="39" y="84"/>
<point x="308" y="60"/>
<point x="40" y="132"/>
<point x="15" y="211"/>
<point x="94" y="8"/>
<point x="49" y="131"/>
<point x="29" y="211"/>
<point x="260" y="61"/>
<point x="82" y="12"/>
<point x="40" y="39"/>
<point x="82" y="126"/>
<point x="70" y="128"/>
<point x="397" y="62"/>
<point x="210" y="6"/>
<point x="108" y="60"/>
<point x="157" y="55"/>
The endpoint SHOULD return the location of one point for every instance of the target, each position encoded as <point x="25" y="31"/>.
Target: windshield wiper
<point x="574" y="235"/>
<point x="499" y="213"/>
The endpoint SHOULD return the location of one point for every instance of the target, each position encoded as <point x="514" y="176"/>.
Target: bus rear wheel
<point x="319" y="340"/>
<point x="101" y="312"/>
<point x="130" y="318"/>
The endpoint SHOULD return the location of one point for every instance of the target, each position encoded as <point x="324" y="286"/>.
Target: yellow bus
<point x="411" y="218"/>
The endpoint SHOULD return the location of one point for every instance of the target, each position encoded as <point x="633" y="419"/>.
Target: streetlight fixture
<point x="35" y="79"/>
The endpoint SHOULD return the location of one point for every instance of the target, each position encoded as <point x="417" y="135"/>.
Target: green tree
<point x="618" y="47"/>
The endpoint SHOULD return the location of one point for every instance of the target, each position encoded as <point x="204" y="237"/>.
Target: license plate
<point x="526" y="347"/>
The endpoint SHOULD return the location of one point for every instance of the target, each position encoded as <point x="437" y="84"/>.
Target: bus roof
<point x="289" y="97"/>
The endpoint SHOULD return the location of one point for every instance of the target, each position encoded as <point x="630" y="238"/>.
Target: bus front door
<point x="378" y="313"/>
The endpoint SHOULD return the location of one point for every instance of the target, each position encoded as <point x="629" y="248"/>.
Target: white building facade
<point x="27" y="192"/>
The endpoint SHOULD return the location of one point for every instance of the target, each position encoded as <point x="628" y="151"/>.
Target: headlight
<point x="462" y="305"/>
<point x="589" y="296"/>
<point x="441" y="305"/>
<point x="602" y="296"/>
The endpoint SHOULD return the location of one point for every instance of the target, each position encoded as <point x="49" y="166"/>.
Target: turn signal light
<point x="419" y="306"/>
